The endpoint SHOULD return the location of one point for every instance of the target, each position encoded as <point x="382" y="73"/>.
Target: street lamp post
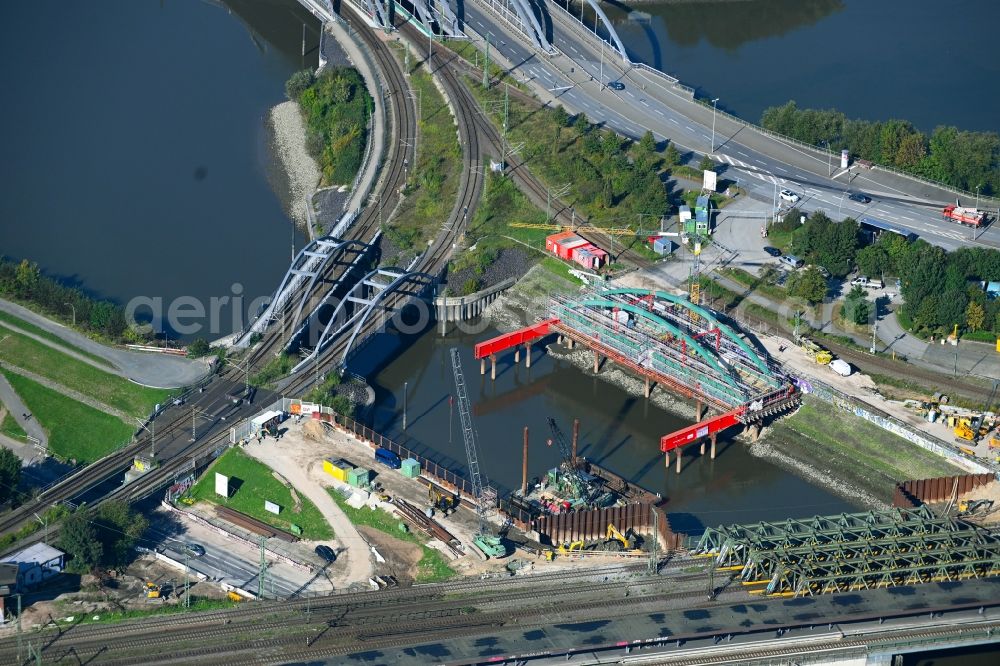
<point x="714" y="102"/>
<point x="73" y="307"/>
<point x="404" y="404"/>
<point x="829" y="161"/>
<point x="602" y="60"/>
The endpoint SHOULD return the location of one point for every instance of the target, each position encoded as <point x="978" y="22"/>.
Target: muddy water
<point x="617" y="429"/>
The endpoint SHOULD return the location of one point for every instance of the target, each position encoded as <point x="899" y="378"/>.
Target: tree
<point x="118" y="528"/>
<point x="672" y="156"/>
<point x="810" y="285"/>
<point x="298" y="82"/>
<point x="198" y="348"/>
<point x="706" y="164"/>
<point x="873" y="260"/>
<point x="26" y="278"/>
<point x="648" y="142"/>
<point x="10" y="474"/>
<point x="79" y="539"/>
<point x="975" y="316"/>
<point x="857" y="308"/>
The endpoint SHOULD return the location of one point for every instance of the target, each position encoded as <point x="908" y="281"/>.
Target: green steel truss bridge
<point x="857" y="551"/>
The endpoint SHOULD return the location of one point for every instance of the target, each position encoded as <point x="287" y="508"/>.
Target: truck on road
<point x="968" y="216"/>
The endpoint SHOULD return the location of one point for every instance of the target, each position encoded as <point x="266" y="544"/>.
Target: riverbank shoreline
<point x="817" y="462"/>
<point x="287" y="142"/>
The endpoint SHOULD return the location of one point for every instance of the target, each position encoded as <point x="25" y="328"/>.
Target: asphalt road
<point x="764" y="164"/>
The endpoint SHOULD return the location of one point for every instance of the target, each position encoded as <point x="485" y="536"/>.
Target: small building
<point x="563" y="243"/>
<point x="663" y="246"/>
<point x="36" y="564"/>
<point x="685" y="213"/>
<point x="268" y="421"/>
<point x="590" y="256"/>
<point x="338" y="469"/>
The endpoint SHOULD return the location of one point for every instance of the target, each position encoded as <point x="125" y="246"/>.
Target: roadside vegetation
<point x="250" y="483"/>
<point x="29" y="354"/>
<point x="276" y="368"/>
<point x="851" y="448"/>
<point x="28" y="327"/>
<point x="10" y="427"/>
<point x="330" y="394"/>
<point x="105" y="539"/>
<point x="76" y="431"/>
<point x="49" y="517"/>
<point x="432" y="567"/>
<point x="10" y="474"/>
<point x="966" y="160"/>
<point x="337" y="109"/>
<point x="432" y="183"/>
<point x="24" y="283"/>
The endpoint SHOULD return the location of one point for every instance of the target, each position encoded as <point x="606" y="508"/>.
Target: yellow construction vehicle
<point x="441" y="501"/>
<point x="815" y="352"/>
<point x="233" y="596"/>
<point x="614" y="535"/>
<point x="967" y="507"/>
<point x="963" y="430"/>
<point x="569" y="548"/>
<point x="152" y="590"/>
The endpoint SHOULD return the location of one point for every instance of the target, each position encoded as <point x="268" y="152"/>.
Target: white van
<point x="841" y="367"/>
<point x="792" y="261"/>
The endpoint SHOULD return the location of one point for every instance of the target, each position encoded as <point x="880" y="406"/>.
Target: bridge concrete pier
<point x="482" y="366"/>
<point x="597" y="362"/>
<point x="517" y="355"/>
<point x="493" y="367"/>
<point x="713" y="438"/>
<point x="527" y="356"/>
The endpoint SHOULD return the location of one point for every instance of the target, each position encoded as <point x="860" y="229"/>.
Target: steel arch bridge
<point x="366" y="299"/>
<point x="302" y="279"/>
<point x="667" y="336"/>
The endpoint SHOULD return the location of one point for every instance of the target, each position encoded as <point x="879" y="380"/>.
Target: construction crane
<point x="484" y="496"/>
<point x="569" y="465"/>
<point x="585" y="228"/>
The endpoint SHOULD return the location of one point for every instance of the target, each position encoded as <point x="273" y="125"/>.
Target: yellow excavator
<point x="152" y="590"/>
<point x="614" y="535"/>
<point x="565" y="548"/>
<point x="971" y="429"/>
<point x="968" y="507"/>
<point x="441" y="501"/>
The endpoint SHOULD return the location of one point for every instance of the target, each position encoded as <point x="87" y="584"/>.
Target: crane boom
<point x="570" y="467"/>
<point x="484" y="496"/>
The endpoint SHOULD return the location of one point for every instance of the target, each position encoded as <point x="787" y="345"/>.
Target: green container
<point x="410" y="468"/>
<point x="295" y="529"/>
<point x="689" y="226"/>
<point x="359" y="477"/>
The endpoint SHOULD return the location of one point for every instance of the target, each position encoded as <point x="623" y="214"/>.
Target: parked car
<point x="841" y="367"/>
<point x="616" y="85"/>
<point x="859" y="197"/>
<point x="194" y="549"/>
<point x="789" y="196"/>
<point x="822" y="271"/>
<point x="773" y="251"/>
<point x="326" y="553"/>
<point x="793" y="261"/>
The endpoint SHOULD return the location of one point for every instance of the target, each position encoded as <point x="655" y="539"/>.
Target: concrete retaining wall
<point x="460" y="308"/>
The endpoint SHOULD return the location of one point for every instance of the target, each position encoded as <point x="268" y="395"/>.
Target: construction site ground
<point x="299" y="456"/>
<point x="68" y="599"/>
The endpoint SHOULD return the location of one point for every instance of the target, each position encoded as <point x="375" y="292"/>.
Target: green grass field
<point x="856" y="449"/>
<point x="255" y="483"/>
<point x="432" y="183"/>
<point x="10" y="427"/>
<point x="42" y="333"/>
<point x="76" y="431"/>
<point x="432" y="567"/>
<point x="112" y="390"/>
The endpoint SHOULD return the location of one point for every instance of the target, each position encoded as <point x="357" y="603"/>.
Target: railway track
<point x="335" y="629"/>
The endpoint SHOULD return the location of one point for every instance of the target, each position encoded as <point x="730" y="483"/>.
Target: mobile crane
<point x="485" y="497"/>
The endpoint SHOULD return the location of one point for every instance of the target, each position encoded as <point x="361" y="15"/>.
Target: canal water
<point x="135" y="160"/>
<point x="919" y="60"/>
<point x="617" y="430"/>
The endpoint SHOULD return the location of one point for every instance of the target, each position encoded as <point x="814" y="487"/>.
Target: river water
<point x="617" y="430"/>
<point x="135" y="158"/>
<point x="919" y="60"/>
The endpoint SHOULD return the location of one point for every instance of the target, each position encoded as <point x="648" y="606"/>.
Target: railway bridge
<point x="665" y="339"/>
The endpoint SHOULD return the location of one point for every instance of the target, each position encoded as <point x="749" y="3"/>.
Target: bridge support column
<point x="517" y="355"/>
<point x="597" y="362"/>
<point x="482" y="366"/>
<point x="576" y="439"/>
<point x="697" y="411"/>
<point x="714" y="435"/>
<point x="527" y="355"/>
<point x="679" y="459"/>
<point x="569" y="342"/>
<point x="701" y="450"/>
<point x="648" y="389"/>
<point x="493" y="366"/>
<point x="524" y="465"/>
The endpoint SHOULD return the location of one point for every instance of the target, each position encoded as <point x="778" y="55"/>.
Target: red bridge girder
<point x="514" y="338"/>
<point x="699" y="430"/>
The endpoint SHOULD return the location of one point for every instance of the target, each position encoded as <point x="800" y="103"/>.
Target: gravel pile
<point x="511" y="262"/>
<point x="289" y="132"/>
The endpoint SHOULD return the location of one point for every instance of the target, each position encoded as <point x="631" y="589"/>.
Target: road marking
<point x="759" y="162"/>
<point x="480" y="24"/>
<point x="741" y="153"/>
<point x="773" y="180"/>
<point x="573" y="49"/>
<point x="759" y="176"/>
<point x="674" y="121"/>
<point x="660" y="113"/>
<point x="644" y="103"/>
<point x="689" y="128"/>
<point x="907" y="217"/>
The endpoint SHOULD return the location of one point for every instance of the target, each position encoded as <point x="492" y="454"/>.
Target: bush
<point x="298" y="83"/>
